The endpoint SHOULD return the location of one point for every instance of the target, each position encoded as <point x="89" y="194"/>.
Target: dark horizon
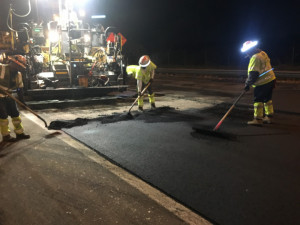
<point x="195" y="32"/>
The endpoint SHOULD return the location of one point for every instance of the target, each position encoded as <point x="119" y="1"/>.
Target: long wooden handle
<point x="23" y="105"/>
<point x="142" y="93"/>
<point x="227" y="113"/>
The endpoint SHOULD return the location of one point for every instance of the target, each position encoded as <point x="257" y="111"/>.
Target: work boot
<point x="153" y="106"/>
<point x="8" y="138"/>
<point x="267" y="120"/>
<point x="22" y="136"/>
<point x="256" y="122"/>
<point x="141" y="109"/>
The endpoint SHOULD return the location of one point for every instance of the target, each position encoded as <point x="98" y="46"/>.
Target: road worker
<point x="262" y="77"/>
<point x="144" y="74"/>
<point x="11" y="79"/>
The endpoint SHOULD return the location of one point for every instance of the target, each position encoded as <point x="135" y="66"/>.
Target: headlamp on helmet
<point x="248" y="45"/>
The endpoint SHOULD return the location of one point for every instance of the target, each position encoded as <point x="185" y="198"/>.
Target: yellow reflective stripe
<point x="151" y="98"/>
<point x="4" y="127"/>
<point x="269" y="110"/>
<point x="258" y="110"/>
<point x="141" y="101"/>
<point x="17" y="122"/>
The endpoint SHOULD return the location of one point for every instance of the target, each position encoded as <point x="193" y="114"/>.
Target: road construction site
<point x="98" y="165"/>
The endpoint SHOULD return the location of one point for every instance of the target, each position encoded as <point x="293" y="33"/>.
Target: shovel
<point x="23" y="105"/>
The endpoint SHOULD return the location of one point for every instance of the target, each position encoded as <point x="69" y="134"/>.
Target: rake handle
<point x="23" y="105"/>
<point x="227" y="113"/>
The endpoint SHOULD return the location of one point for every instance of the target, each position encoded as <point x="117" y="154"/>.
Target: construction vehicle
<point x="67" y="52"/>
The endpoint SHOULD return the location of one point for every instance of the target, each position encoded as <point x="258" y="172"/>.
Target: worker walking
<point x="262" y="77"/>
<point x="144" y="74"/>
<point x="11" y="79"/>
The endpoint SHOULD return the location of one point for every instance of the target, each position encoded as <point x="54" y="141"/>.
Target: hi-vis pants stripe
<point x="269" y="111"/>
<point x="17" y="122"/>
<point x="258" y="110"/>
<point x="141" y="100"/>
<point x="4" y="127"/>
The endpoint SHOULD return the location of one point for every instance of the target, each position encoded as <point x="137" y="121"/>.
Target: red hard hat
<point x="19" y="60"/>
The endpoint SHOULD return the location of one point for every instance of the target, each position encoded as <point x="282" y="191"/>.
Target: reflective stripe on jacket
<point x="260" y="62"/>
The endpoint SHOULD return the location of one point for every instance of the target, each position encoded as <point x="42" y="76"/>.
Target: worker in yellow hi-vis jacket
<point x="11" y="79"/>
<point x="262" y="78"/>
<point x="144" y="74"/>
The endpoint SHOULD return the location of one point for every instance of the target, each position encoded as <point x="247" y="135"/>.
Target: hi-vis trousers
<point x="150" y="95"/>
<point x="8" y="107"/>
<point x="263" y="104"/>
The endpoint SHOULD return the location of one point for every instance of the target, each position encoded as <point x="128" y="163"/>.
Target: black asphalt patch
<point x="160" y="114"/>
<point x="199" y="170"/>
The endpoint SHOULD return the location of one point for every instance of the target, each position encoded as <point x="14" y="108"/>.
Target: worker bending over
<point x="144" y="74"/>
<point x="11" y="79"/>
<point x="262" y="78"/>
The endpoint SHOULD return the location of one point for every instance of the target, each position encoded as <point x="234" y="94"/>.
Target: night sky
<point x="195" y="32"/>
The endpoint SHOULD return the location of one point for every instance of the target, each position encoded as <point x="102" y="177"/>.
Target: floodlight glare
<point x="87" y="38"/>
<point x="248" y="44"/>
<point x="81" y="13"/>
<point x="53" y="36"/>
<point x="98" y="16"/>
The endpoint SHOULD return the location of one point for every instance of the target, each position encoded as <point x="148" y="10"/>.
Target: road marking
<point x="165" y="201"/>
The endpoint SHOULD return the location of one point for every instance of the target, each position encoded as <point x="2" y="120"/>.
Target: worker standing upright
<point x="11" y="79"/>
<point x="144" y="74"/>
<point x="262" y="78"/>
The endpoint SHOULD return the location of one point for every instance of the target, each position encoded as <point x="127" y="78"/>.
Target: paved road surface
<point x="251" y="180"/>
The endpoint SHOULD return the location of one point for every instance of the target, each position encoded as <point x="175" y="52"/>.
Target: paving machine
<point x="67" y="52"/>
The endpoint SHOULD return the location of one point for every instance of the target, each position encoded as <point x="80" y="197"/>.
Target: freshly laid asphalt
<point x="250" y="180"/>
<point x="52" y="179"/>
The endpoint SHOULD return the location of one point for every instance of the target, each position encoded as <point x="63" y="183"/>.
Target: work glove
<point x="247" y="87"/>
<point x="139" y="94"/>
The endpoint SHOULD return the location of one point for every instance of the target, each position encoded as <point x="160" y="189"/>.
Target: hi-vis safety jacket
<point x="260" y="62"/>
<point x="9" y="81"/>
<point x="140" y="74"/>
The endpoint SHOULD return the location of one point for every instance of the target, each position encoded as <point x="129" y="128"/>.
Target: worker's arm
<point x="252" y="77"/>
<point x="152" y="76"/>
<point x="139" y="84"/>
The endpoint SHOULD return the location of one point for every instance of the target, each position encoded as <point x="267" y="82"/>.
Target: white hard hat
<point x="248" y="45"/>
<point x="144" y="61"/>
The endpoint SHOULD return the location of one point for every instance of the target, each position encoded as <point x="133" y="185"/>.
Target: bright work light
<point x="248" y="44"/>
<point x="98" y="16"/>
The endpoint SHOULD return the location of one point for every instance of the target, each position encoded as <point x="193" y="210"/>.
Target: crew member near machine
<point x="11" y="79"/>
<point x="262" y="77"/>
<point x="144" y="74"/>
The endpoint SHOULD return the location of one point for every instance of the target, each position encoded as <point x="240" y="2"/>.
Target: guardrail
<point x="224" y="72"/>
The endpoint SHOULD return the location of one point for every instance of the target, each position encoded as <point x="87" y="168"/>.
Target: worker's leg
<point x="16" y="120"/>
<point x="268" y="103"/>
<point x="5" y="132"/>
<point x="258" y="106"/>
<point x="151" y="97"/>
<point x="141" y="100"/>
